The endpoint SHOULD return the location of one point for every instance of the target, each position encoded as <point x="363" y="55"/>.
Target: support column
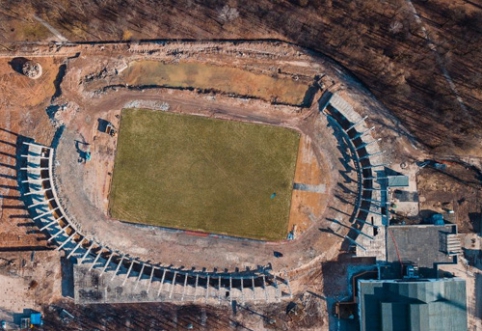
<point x="371" y="212"/>
<point x="34" y="156"/>
<point x="278" y="291"/>
<point x="207" y="289"/>
<point x="371" y="166"/>
<point x="140" y="275"/>
<point x="231" y="288"/>
<point x="374" y="178"/>
<point x="354" y="242"/>
<point x="372" y="200"/>
<point x="62" y="230"/>
<point x="370" y="155"/>
<point x="36" y="192"/>
<point x="195" y="287"/>
<point x="76" y="247"/>
<point x="365" y="222"/>
<point x="43" y="202"/>
<point x="44" y="214"/>
<point x="51" y="223"/>
<point x="367" y="144"/>
<point x="66" y="241"/>
<point x="289" y="287"/>
<point x="219" y="289"/>
<point x="362" y="233"/>
<point x="162" y="282"/>
<point x="150" y="279"/>
<point x="34" y="180"/>
<point x="265" y="289"/>
<point x="87" y="253"/>
<point x="128" y="272"/>
<point x="96" y="258"/>
<point x="361" y="134"/>
<point x="173" y="283"/>
<point x="184" y="287"/>
<point x="356" y="123"/>
<point x="252" y="286"/>
<point x="118" y="267"/>
<point x="107" y="263"/>
<point x="35" y="145"/>
<point x="242" y="290"/>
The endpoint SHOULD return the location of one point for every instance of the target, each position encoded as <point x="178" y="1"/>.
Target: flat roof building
<point x="412" y="305"/>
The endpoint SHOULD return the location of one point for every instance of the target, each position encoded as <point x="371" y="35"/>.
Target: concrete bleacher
<point x="369" y="215"/>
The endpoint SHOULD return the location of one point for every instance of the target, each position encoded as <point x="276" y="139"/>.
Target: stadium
<point x="175" y="178"/>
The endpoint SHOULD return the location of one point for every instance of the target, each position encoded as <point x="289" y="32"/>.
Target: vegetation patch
<point x="223" y="79"/>
<point x="203" y="174"/>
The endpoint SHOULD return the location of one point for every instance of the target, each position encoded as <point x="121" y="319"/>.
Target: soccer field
<point x="196" y="173"/>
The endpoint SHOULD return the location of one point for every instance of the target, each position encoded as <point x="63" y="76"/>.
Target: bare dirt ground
<point x="29" y="280"/>
<point x="309" y="316"/>
<point x="456" y="188"/>
<point x="22" y="108"/>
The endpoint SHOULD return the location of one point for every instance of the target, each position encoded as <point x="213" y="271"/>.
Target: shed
<point x="395" y="179"/>
<point x="36" y="319"/>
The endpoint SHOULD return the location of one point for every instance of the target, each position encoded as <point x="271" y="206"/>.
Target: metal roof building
<point x="412" y="305"/>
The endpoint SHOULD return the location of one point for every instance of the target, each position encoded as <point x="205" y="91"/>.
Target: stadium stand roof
<point x="412" y="305"/>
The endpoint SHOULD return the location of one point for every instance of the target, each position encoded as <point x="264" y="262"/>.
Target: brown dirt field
<point x="307" y="207"/>
<point x="26" y="92"/>
<point x="308" y="169"/>
<point x="219" y="78"/>
<point x="457" y="188"/>
<point x="28" y="280"/>
<point x="22" y="105"/>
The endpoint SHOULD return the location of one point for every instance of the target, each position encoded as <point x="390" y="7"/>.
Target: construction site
<point x="333" y="201"/>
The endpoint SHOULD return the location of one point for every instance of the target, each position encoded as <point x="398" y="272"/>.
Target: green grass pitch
<point x="195" y="173"/>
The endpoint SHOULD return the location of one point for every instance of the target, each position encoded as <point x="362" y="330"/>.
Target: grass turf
<point x="197" y="173"/>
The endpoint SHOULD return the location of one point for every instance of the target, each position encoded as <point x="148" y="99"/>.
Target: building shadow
<point x="67" y="267"/>
<point x="102" y="125"/>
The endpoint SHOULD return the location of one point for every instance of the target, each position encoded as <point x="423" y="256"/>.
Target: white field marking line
<point x="50" y="28"/>
<point x="433" y="48"/>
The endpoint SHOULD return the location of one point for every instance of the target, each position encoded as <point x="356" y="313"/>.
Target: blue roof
<point x="36" y="319"/>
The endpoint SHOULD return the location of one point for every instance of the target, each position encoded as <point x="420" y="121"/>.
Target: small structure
<point x="32" y="70"/>
<point x="395" y="179"/>
<point x="105" y="126"/>
<point x="36" y="319"/>
<point x="437" y="219"/>
<point x="110" y="130"/>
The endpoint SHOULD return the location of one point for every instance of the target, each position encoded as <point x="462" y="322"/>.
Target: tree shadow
<point x="310" y="95"/>
<point x="17" y="64"/>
